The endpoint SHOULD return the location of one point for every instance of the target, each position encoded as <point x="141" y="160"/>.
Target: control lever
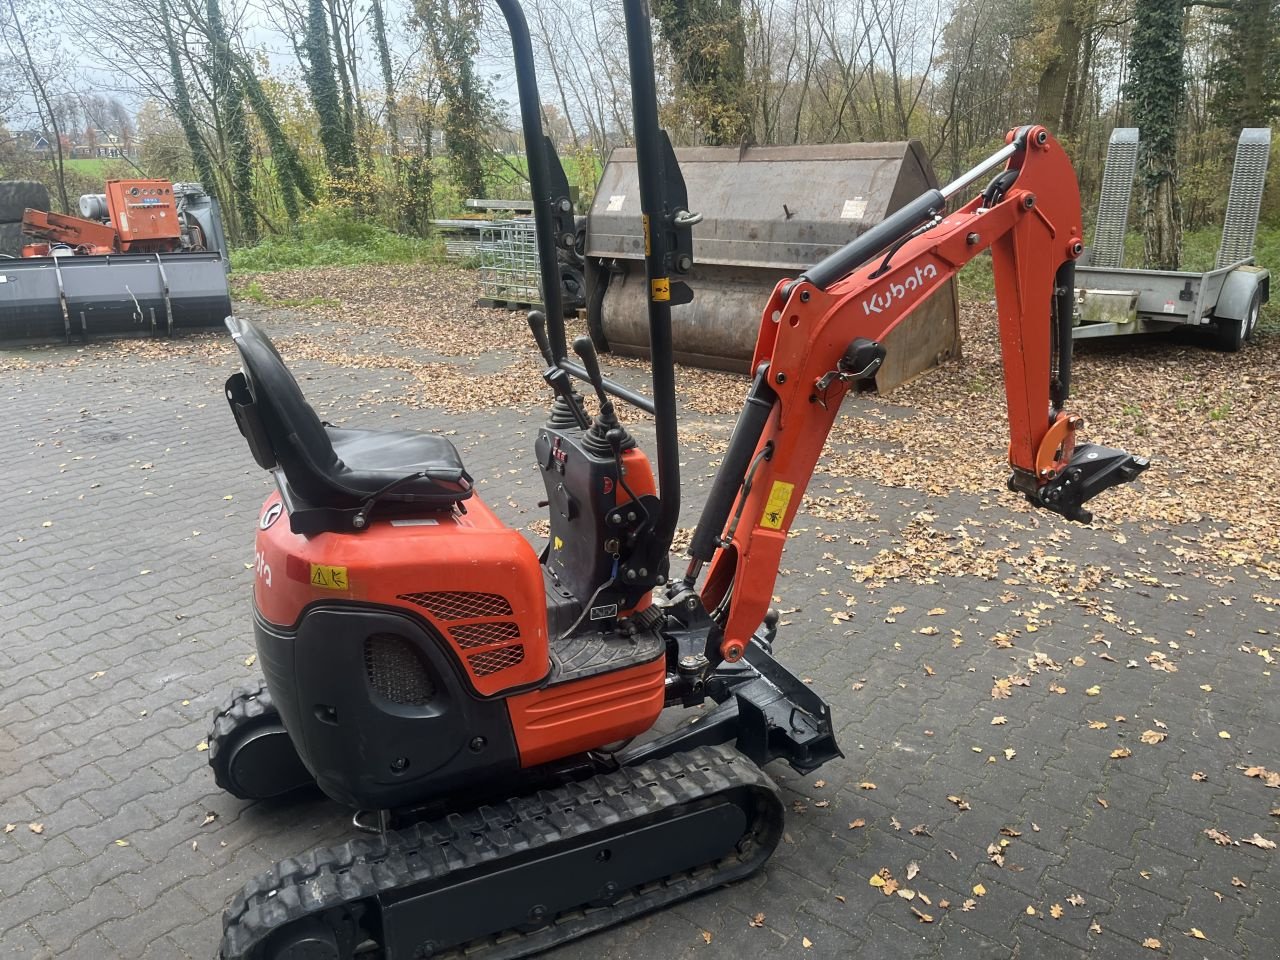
<point x="558" y="379"/>
<point x="538" y="324"/>
<point x="586" y="351"/>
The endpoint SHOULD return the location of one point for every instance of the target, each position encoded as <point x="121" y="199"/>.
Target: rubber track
<point x="360" y="869"/>
<point x="246" y="705"/>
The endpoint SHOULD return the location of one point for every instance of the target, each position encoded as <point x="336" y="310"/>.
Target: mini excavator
<point x="490" y="711"/>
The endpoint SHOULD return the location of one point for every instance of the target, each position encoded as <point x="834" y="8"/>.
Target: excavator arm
<point x="821" y="335"/>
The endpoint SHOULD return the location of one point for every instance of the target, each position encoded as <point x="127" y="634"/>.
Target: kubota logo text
<point x="879" y="302"/>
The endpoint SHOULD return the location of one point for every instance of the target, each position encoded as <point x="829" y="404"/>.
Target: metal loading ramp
<point x="768" y="213"/>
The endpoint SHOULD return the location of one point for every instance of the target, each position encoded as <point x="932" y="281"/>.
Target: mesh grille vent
<point x="459" y="605"/>
<point x="397" y="671"/>
<point x="482" y="634"/>
<point x="491" y="661"/>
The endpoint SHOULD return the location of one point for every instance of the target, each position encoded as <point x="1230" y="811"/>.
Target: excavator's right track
<point x="513" y="878"/>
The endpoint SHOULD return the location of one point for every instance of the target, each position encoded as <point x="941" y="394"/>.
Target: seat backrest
<point x="293" y="430"/>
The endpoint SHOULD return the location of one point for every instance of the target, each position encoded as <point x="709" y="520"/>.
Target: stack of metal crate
<point x="508" y="270"/>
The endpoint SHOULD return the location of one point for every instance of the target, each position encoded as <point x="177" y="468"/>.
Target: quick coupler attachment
<point x="1092" y="469"/>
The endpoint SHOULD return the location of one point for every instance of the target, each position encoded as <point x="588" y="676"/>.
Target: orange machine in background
<point x="133" y="216"/>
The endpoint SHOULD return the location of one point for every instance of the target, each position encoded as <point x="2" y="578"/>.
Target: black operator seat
<point x="335" y="472"/>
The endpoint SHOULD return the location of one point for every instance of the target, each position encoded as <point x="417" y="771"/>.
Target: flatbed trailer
<point x="1112" y="300"/>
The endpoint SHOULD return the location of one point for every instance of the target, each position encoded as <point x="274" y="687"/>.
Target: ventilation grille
<point x="397" y="671"/>
<point x="458" y="605"/>
<point x="470" y="635"/>
<point x="491" y="661"/>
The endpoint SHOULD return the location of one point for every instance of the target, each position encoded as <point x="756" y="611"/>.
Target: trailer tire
<point x="17" y="195"/>
<point x="1233" y="334"/>
<point x="10" y="239"/>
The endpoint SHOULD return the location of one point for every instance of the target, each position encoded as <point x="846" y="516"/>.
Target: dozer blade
<point x="515" y="878"/>
<point x="79" y="297"/>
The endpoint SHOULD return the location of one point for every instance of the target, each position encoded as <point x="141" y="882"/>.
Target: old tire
<point x="10" y="239"/>
<point x="573" y="289"/>
<point x="1233" y="334"/>
<point x="17" y="195"/>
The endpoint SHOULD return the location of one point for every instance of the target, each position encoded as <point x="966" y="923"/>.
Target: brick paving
<point x="131" y="503"/>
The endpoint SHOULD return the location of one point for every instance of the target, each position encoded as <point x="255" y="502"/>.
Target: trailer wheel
<point x="1232" y="334"/>
<point x="17" y="195"/>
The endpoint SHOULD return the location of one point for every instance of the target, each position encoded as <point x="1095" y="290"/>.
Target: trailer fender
<point x="1237" y="292"/>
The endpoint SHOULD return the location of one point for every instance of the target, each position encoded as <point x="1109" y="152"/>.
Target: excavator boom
<point x="820" y="336"/>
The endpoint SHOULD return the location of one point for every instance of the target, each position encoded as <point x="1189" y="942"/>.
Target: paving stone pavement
<point x="125" y="547"/>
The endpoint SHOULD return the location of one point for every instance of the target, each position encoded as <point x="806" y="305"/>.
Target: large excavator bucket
<point x="768" y="213"/>
<point x="69" y="298"/>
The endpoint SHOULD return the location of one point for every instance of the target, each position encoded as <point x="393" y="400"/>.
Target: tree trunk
<point x="1062" y="65"/>
<point x="1156" y="91"/>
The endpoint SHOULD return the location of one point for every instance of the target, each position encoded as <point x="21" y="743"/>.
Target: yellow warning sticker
<point x="557" y="543"/>
<point x="329" y="578"/>
<point x="660" y="288"/>
<point x="775" y="508"/>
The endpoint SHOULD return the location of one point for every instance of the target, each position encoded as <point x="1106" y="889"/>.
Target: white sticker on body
<point x="615" y="202"/>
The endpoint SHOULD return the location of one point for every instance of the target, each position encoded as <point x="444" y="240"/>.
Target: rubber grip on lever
<point x="538" y="324"/>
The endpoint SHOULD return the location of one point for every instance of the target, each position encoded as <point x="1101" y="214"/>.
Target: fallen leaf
<point x="1199" y="776"/>
<point x="757" y="920"/>
<point x="924" y="917"/>
<point x="36" y="828"/>
<point x="1198" y="934"/>
<point x="1009" y="753"/>
<point x="857" y="824"/>
<point x="706" y="936"/>
<point x="1120" y="753"/>
<point x="979" y="890"/>
<point x="866" y="786"/>
<point x="944" y="904"/>
<point x="1095" y="927"/>
<point x="968" y="905"/>
<point x="1055" y="911"/>
<point x="1056" y="687"/>
<point x="202" y="746"/>
<point x="1218" y="837"/>
<point x="961" y="804"/>
<point x="1093" y="691"/>
<point x="999" y="721"/>
<point x="1076" y="900"/>
<point x="1237" y="882"/>
<point x="806" y="942"/>
<point x="1269" y="777"/>
<point x="209" y="818"/>
<point x="97" y="674"/>
<point x="876" y="881"/>
<point x="10" y="827"/>
<point x="122" y="843"/>
<point x="250" y="660"/>
<point x="1260" y="842"/>
<point x="928" y="670"/>
<point x="1223" y="735"/>
<point x="1102" y="802"/>
<point x="1031" y="911"/>
<point x="1097" y="724"/>
<point x="840" y="897"/>
<point x="1153" y="736"/>
<point x="1151" y="943"/>
<point x="906" y="894"/>
<point x="913" y="868"/>
<point x="819" y="784"/>
<point x="929" y="631"/>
